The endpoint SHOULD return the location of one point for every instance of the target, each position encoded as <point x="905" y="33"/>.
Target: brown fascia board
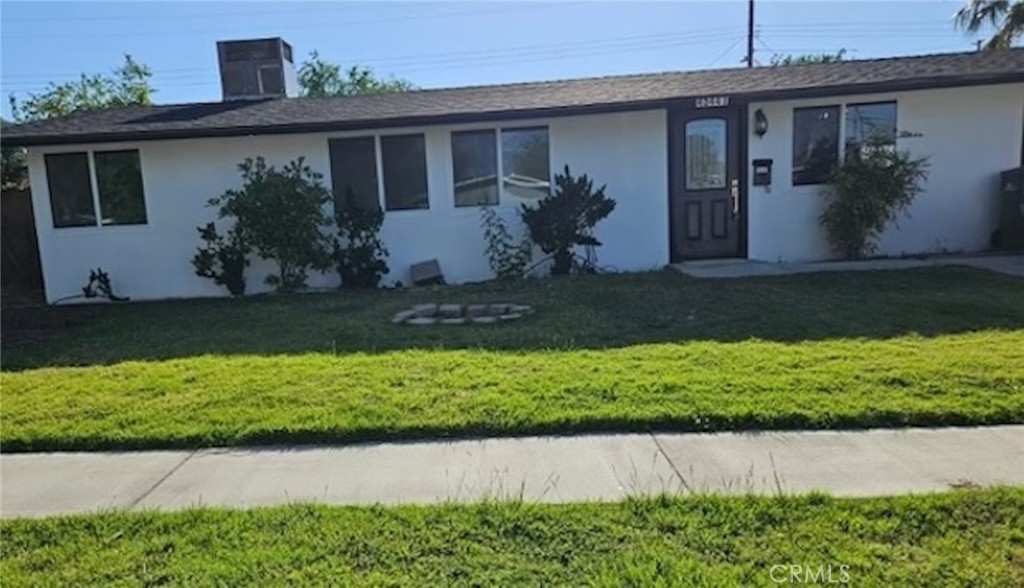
<point x="509" y="115"/>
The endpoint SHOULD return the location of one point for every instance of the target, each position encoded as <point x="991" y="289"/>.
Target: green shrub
<point x="222" y="259"/>
<point x="358" y="251"/>
<point x="280" y="215"/>
<point x="566" y="218"/>
<point x="507" y="258"/>
<point x="866" y="193"/>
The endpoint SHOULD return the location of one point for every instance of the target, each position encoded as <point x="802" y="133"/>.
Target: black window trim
<point x="501" y="152"/>
<point x="496" y="131"/>
<point x="841" y="112"/>
<point x="378" y="178"/>
<point x="382" y="184"/>
<point x="94" y="189"/>
<point x="896" y="117"/>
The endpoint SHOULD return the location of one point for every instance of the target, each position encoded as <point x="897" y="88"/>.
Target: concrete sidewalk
<point x="550" y="469"/>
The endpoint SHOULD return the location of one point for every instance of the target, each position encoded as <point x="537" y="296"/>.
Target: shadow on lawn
<point x="590" y="312"/>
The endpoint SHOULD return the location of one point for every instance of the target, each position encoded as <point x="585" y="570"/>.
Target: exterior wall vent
<point x="256" y="69"/>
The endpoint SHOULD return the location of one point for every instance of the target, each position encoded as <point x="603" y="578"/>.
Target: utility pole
<point x="750" y="33"/>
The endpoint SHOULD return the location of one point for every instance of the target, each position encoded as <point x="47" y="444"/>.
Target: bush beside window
<point x="279" y="215"/>
<point x="562" y="220"/>
<point x="868" y="191"/>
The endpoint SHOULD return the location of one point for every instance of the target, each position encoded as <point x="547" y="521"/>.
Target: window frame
<point x="378" y="184"/>
<point x="895" y="122"/>
<point x="496" y="132"/>
<point x="99" y="195"/>
<point x="382" y="185"/>
<point x="499" y="156"/>
<point x="94" y="188"/>
<point x="840" y="109"/>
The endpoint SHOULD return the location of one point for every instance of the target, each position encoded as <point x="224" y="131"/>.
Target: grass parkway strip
<point x="962" y="538"/>
<point x="654" y="351"/>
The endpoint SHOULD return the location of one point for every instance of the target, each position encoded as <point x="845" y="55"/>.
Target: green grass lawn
<point x="962" y="538"/>
<point x="612" y="352"/>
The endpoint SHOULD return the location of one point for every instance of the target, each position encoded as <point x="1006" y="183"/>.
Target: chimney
<point x="256" y="69"/>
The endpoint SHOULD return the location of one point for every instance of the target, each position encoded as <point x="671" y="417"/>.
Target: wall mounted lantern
<point x="760" y="123"/>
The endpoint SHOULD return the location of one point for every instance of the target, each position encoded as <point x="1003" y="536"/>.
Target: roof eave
<point x="507" y="115"/>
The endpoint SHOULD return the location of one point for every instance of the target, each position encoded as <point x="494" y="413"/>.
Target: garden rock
<point x="424" y="310"/>
<point x="402" y="316"/>
<point x="458" y="314"/>
<point x="450" y="310"/>
<point x="421" y="320"/>
<point x="476" y="310"/>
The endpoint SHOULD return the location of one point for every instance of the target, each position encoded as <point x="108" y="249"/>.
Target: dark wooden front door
<point x="705" y="183"/>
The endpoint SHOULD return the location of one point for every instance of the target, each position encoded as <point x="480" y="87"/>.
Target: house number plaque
<point x="711" y="102"/>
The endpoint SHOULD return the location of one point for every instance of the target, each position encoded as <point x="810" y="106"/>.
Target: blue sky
<point x="436" y="44"/>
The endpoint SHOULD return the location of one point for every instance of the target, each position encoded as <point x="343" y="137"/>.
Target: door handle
<point x="734" y="192"/>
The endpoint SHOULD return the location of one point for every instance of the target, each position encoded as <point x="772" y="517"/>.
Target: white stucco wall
<point x="969" y="135"/>
<point x="625" y="151"/>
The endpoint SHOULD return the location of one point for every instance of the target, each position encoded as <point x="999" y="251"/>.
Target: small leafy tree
<point x="867" y="191"/>
<point x="223" y="259"/>
<point x="280" y="215"/>
<point x="564" y="219"/>
<point x="358" y="251"/>
<point x="507" y="258"/>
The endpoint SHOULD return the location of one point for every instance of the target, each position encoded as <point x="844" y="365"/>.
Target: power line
<point x="726" y="52"/>
<point x="456" y="57"/>
<point x="222" y="30"/>
<point x="200" y="15"/>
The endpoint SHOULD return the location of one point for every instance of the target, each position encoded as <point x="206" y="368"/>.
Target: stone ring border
<point x="460" y="314"/>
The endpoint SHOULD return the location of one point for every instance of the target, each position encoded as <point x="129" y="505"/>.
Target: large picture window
<point x="119" y="181"/>
<point x="118" y="177"/>
<point x="869" y="124"/>
<point x="71" y="200"/>
<point x="525" y="168"/>
<point x="404" y="158"/>
<point x="354" y="169"/>
<point x="815" y="144"/>
<point x="475" y="167"/>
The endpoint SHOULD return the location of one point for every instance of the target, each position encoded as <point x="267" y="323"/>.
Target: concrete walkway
<point x="1010" y="264"/>
<point x="550" y="469"/>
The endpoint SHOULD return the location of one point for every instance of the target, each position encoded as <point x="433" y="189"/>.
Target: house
<point x="125" y="188"/>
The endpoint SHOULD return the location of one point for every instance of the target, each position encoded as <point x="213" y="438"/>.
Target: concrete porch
<point x="1007" y="263"/>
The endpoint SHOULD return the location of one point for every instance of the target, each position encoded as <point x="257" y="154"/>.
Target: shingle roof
<point x="518" y="100"/>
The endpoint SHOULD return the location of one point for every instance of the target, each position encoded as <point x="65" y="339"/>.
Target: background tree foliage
<point x="1007" y="16"/>
<point x="127" y="85"/>
<point x="780" y="59"/>
<point x="319" y="77"/>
